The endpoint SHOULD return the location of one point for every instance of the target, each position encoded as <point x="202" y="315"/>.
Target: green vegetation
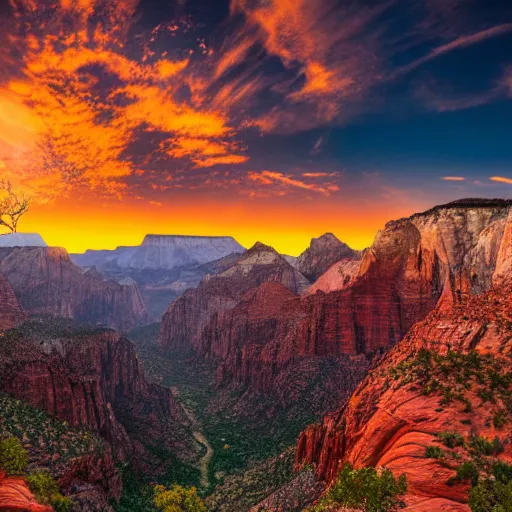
<point x="482" y="446"/>
<point x="366" y="488"/>
<point x="37" y="429"/>
<point x="454" y="374"/>
<point x="494" y="493"/>
<point x="434" y="452"/>
<point x="467" y="471"/>
<point x="451" y="439"/>
<point x="13" y="457"/>
<point x="240" y="491"/>
<point x="46" y="491"/>
<point x="178" y="499"/>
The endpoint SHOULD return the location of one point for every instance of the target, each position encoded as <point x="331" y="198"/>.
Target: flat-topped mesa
<point x="322" y="253"/>
<point x="153" y="239"/>
<point x="162" y="252"/>
<point x="11" y="313"/>
<point x="190" y="314"/>
<point x="46" y="281"/>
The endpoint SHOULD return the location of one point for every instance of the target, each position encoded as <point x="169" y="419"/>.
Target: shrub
<point x="178" y="499"/>
<point x="500" y="418"/>
<point x="493" y="494"/>
<point x="482" y="446"/>
<point x="13" y="457"/>
<point x="467" y="471"/>
<point x="434" y="452"/>
<point x="451" y="439"/>
<point x="365" y="488"/>
<point x="46" y="491"/>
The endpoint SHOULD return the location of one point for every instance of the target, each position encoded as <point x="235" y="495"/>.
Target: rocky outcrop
<point x="322" y="253"/>
<point x="93" y="377"/>
<point x="340" y="275"/>
<point x="503" y="270"/>
<point x="46" y="281"/>
<point x="11" y="313"/>
<point x="22" y="240"/>
<point x="188" y="316"/>
<point x="16" y="496"/>
<point x="433" y="381"/>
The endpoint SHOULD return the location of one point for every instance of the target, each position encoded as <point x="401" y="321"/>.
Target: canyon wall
<point x="398" y="412"/>
<point x="11" y="313"/>
<point x="46" y="281"/>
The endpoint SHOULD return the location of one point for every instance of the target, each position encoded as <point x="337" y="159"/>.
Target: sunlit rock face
<point x="162" y="252"/>
<point x="16" y="496"/>
<point x="46" y="281"/>
<point x="11" y="313"/>
<point x="22" y="240"/>
<point x="188" y="316"/>
<point x="390" y="424"/>
<point x="322" y="253"/>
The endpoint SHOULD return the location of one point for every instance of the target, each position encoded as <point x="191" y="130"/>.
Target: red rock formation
<point x="322" y="253"/>
<point x="186" y="318"/>
<point x="11" y="313"/>
<point x="257" y="336"/>
<point x="92" y="377"/>
<point x="340" y="275"/>
<point x="16" y="496"/>
<point x="388" y="424"/>
<point x="46" y="281"/>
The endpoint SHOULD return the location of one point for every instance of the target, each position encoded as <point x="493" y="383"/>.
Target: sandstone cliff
<point x="434" y="387"/>
<point x="11" y="313"/>
<point x="16" y="496"/>
<point x="189" y="315"/>
<point x="92" y="377"/>
<point x="46" y="281"/>
<point x="322" y="253"/>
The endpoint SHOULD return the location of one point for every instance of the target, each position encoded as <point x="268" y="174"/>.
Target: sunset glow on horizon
<point x="272" y="121"/>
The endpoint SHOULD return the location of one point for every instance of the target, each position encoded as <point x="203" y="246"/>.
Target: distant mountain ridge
<point x="161" y="252"/>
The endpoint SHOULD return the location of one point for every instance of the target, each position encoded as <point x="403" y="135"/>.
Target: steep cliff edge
<point x="322" y="253"/>
<point x="46" y="281"/>
<point x="92" y="377"/>
<point x="189" y="315"/>
<point x="11" y="313"/>
<point x="439" y="399"/>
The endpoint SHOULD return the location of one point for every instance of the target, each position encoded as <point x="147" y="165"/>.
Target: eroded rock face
<point x="11" y="313"/>
<point x="189" y="315"/>
<point x="93" y="377"/>
<point x="322" y="253"/>
<point x="16" y="496"/>
<point x="503" y="271"/>
<point x="46" y="281"/>
<point x="390" y="425"/>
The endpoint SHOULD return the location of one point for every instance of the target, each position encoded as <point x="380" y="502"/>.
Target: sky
<point x="266" y="120"/>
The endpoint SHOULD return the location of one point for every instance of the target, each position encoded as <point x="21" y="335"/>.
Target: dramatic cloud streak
<point x="501" y="179"/>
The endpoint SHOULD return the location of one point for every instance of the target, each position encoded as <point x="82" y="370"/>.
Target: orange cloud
<point x="453" y="178"/>
<point x="73" y="128"/>
<point x="318" y="174"/>
<point x="272" y="177"/>
<point x="501" y="179"/>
